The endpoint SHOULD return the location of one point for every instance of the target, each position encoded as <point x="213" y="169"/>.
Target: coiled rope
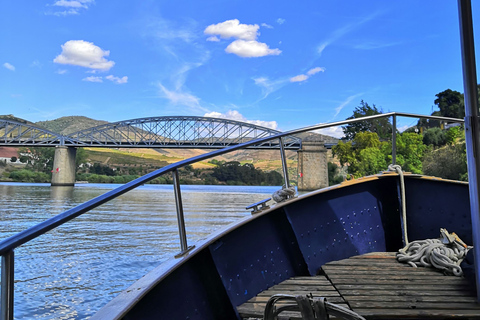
<point x="283" y="194"/>
<point x="446" y="253"/>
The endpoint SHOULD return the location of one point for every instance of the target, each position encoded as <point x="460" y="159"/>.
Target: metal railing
<point x="8" y="245"/>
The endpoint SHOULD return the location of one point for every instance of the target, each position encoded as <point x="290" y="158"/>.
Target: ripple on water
<point x="72" y="271"/>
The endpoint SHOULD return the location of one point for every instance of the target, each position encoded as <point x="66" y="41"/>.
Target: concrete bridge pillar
<point x="63" y="173"/>
<point x="312" y="164"/>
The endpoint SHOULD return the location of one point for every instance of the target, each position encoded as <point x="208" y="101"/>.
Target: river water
<point x="72" y="271"/>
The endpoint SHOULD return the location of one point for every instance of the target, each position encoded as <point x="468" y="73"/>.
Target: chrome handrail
<point x="8" y="245"/>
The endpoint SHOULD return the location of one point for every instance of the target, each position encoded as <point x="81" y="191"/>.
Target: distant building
<point x="6" y="154"/>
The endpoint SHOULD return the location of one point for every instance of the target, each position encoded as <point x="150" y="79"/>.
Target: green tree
<point x="80" y="157"/>
<point x="24" y="159"/>
<point x="449" y="162"/>
<point x="41" y="158"/>
<point x="367" y="155"/>
<point x="364" y="155"/>
<point x="334" y="176"/>
<point x="13" y="159"/>
<point x="454" y="133"/>
<point x="382" y="127"/>
<point x="451" y="104"/>
<point x="435" y="137"/>
<point x="410" y="152"/>
<point x="371" y="161"/>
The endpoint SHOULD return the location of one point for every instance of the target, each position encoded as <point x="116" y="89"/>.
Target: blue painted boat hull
<point x="293" y="239"/>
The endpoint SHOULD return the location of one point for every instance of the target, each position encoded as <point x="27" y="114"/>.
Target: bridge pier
<point x="63" y="173"/>
<point x="312" y="164"/>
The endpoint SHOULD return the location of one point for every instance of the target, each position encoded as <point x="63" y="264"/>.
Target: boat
<point x="331" y="250"/>
<point x="222" y="276"/>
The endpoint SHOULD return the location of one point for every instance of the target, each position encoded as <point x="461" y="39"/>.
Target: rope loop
<point x="445" y="253"/>
<point x="283" y="194"/>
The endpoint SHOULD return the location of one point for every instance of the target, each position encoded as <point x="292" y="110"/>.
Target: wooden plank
<point x="416" y="314"/>
<point x="376" y="255"/>
<point x="264" y="299"/>
<point x="396" y="276"/>
<point x="303" y="288"/>
<point x="369" y="267"/>
<point x="439" y="305"/>
<point x="399" y="292"/>
<point x="411" y="287"/>
<point x="331" y="293"/>
<point x="368" y="262"/>
<point x="402" y="282"/>
<point x="377" y="287"/>
<point x="420" y="272"/>
<point x="414" y="298"/>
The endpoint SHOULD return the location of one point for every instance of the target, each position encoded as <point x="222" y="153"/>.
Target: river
<point x="72" y="271"/>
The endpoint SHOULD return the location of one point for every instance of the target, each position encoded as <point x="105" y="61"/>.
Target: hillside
<point x="13" y="118"/>
<point x="70" y="124"/>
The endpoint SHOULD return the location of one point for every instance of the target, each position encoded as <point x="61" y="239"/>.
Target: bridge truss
<point x="14" y="133"/>
<point x="153" y="132"/>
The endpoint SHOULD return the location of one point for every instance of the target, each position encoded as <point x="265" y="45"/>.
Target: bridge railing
<point x="8" y="245"/>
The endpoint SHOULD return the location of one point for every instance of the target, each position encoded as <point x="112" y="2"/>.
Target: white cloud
<point x="117" y="80"/>
<point x="250" y="49"/>
<point x="178" y="97"/>
<point x="313" y="71"/>
<point x="73" y="7"/>
<point x="84" y="54"/>
<point x="233" y="29"/>
<point x="336" y="132"/>
<point x="299" y="78"/>
<point x="93" y="79"/>
<point x="213" y="39"/>
<point x="280" y="21"/>
<point x="235" y="115"/>
<point x="268" y="86"/>
<point x="71" y="4"/>
<point x="62" y="71"/>
<point x="345" y="103"/>
<point x="246" y="44"/>
<point x="337" y="34"/>
<point x="303" y="77"/>
<point x="266" y="26"/>
<point x="9" y="66"/>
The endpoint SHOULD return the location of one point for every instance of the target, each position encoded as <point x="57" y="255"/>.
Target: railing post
<point x="180" y="219"/>
<point x="284" y="163"/>
<point x="7" y="286"/>
<point x="394" y="139"/>
<point x="472" y="126"/>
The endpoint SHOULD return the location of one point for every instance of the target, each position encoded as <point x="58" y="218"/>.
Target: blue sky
<point x="282" y="64"/>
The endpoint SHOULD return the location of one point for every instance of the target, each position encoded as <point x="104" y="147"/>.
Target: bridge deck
<point x="376" y="286"/>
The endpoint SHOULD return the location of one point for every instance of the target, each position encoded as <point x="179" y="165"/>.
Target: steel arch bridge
<point x="154" y="132"/>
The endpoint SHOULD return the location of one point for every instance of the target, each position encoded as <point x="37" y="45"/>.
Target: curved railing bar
<point x="33" y="232"/>
<point x="8" y="245"/>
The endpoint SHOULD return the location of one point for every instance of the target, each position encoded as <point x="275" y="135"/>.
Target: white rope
<point x="283" y="194"/>
<point x="398" y="169"/>
<point x="446" y="253"/>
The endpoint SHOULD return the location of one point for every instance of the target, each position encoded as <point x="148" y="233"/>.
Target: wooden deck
<point x="376" y="286"/>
